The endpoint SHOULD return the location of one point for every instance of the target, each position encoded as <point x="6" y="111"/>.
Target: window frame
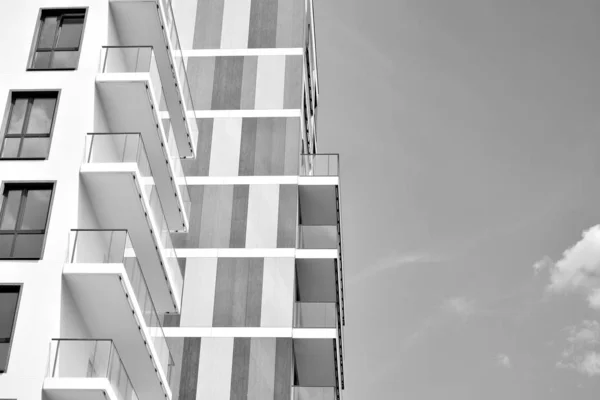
<point x="29" y="94"/>
<point x="8" y="186"/>
<point x="60" y="11"/>
<point x="19" y="290"/>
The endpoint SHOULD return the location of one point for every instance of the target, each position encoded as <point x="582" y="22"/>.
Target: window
<point x="9" y="300"/>
<point x="58" y="39"/>
<point x="29" y="125"/>
<point x="23" y="220"/>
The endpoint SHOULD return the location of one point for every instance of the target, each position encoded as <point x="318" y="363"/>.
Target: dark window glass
<point x="29" y="125"/>
<point x="59" y="39"/>
<point x="9" y="300"/>
<point x="23" y="220"/>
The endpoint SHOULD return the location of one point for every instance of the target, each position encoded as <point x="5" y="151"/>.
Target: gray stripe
<point x="201" y="73"/>
<point x="176" y="348"/>
<point x="222" y="316"/>
<point x="240" y="369"/>
<point x="264" y="143"/>
<point x="263" y="24"/>
<point x="286" y="220"/>
<point x="248" y="146"/>
<point x="198" y="166"/>
<point x="227" y="86"/>
<point x="292" y="146"/>
<point x="240" y="292"/>
<point x="254" y="297"/>
<point x="209" y="22"/>
<point x="283" y="369"/>
<point x="188" y="383"/>
<point x="278" y="147"/>
<point x="293" y="82"/>
<point x="249" y="82"/>
<point x="239" y="216"/>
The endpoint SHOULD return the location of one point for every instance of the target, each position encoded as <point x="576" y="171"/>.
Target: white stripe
<point x="291" y="51"/>
<point x="264" y="332"/>
<point x="238" y="253"/>
<point x="319" y="180"/>
<point x="316" y="253"/>
<point x="239" y="180"/>
<point x="285" y="113"/>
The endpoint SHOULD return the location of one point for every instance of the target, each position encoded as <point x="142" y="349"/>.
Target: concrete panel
<point x="287" y="217"/>
<point x="226" y="141"/>
<point x="249" y="82"/>
<point x="224" y="292"/>
<point x="209" y="20"/>
<point x="254" y="297"/>
<point x="191" y="238"/>
<point x="293" y="81"/>
<point x="190" y="363"/>
<point x="278" y="147"/>
<point x="290" y="23"/>
<point x="270" y="77"/>
<point x="227" y="85"/>
<point x="278" y="292"/>
<point x="248" y="146"/>
<point x="239" y="216"/>
<point x="201" y="75"/>
<point x="199" y="165"/>
<point x="198" y="299"/>
<point x="283" y="369"/>
<point x="214" y="372"/>
<point x="263" y="24"/>
<point x="236" y="19"/>
<point x="292" y="146"/>
<point x="264" y="141"/>
<point x="263" y="205"/>
<point x="210" y="220"/>
<point x="240" y="372"/>
<point x="240" y="292"/>
<point x="262" y="369"/>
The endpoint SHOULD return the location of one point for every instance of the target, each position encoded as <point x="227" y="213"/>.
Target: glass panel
<point x="70" y="32"/>
<point x="41" y="60"/>
<point x="65" y="59"/>
<point x="36" y="210"/>
<point x="10" y="148"/>
<point x="48" y="33"/>
<point x="10" y="209"/>
<point x="35" y="147"/>
<point x="40" y="117"/>
<point x="8" y="309"/>
<point x="28" y="246"/>
<point x="6" y="242"/>
<point x="17" y="115"/>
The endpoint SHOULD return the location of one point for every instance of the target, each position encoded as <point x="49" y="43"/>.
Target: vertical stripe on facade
<point x="236" y="17"/>
<point x="199" y="166"/>
<point x="226" y="141"/>
<point x="240" y="369"/>
<point x="248" y="146"/>
<point x="215" y="371"/>
<point x="263" y="24"/>
<point x="287" y="217"/>
<point x="227" y="84"/>
<point x="190" y="363"/>
<point x="278" y="292"/>
<point x="199" y="292"/>
<point x="283" y="368"/>
<point x="237" y="238"/>
<point x="201" y="75"/>
<point x="261" y="229"/>
<point x="254" y="296"/>
<point x="209" y="22"/>
<point x="249" y="83"/>
<point x="262" y="368"/>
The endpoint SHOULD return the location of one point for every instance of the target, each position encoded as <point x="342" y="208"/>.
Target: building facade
<point x="168" y="229"/>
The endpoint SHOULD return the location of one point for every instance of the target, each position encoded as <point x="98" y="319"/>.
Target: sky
<point x="469" y="137"/>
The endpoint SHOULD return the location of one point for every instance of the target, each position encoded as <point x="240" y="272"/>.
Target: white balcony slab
<point x="79" y="389"/>
<point x="130" y="106"/>
<point x="121" y="203"/>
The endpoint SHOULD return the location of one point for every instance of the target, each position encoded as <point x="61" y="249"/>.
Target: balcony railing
<point x="314" y="393"/>
<point x="319" y="164"/>
<point x="315" y="315"/>
<point x="109" y="246"/>
<point x="180" y="68"/>
<point x="88" y="358"/>
<point x="125" y="59"/>
<point x="317" y="237"/>
<point x="112" y="147"/>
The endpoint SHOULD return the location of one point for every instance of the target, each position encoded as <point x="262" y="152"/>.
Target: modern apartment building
<point x="168" y="229"/>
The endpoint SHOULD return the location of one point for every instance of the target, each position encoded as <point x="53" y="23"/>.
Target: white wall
<point x="38" y="319"/>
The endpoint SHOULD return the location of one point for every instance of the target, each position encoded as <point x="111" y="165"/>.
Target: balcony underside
<point x="318" y="200"/>
<point x="128" y="108"/>
<point x="79" y="389"/>
<point x="139" y="24"/>
<point x="117" y="198"/>
<point x="101" y="293"/>
<point x="315" y="362"/>
<point x="316" y="280"/>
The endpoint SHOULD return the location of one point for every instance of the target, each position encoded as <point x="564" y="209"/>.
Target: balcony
<point x="109" y="288"/>
<point x="118" y="176"/>
<point x="132" y="94"/>
<point x="85" y="369"/>
<point x="152" y="23"/>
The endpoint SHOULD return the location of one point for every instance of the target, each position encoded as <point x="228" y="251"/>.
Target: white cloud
<point x="459" y="305"/>
<point x="579" y="268"/>
<point x="393" y="262"/>
<point x="503" y="360"/>
<point x="580" y="354"/>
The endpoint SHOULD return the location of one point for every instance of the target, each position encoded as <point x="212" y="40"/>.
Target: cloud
<point x="391" y="263"/>
<point x="503" y="360"/>
<point x="579" y="268"/>
<point x="581" y="354"/>
<point x="459" y="305"/>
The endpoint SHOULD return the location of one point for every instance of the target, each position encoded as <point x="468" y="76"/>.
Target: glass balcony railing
<point x="180" y="68"/>
<point x="318" y="237"/>
<point x="314" y="393"/>
<point x="108" y="246"/>
<point x="124" y="59"/>
<point x="319" y="165"/>
<point x="315" y="315"/>
<point x="87" y="358"/>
